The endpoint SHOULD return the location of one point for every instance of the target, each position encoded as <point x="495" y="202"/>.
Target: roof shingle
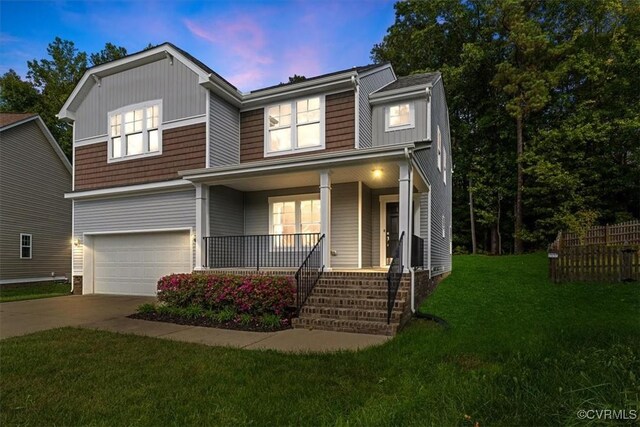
<point x="7" y="119"/>
<point x="412" y="80"/>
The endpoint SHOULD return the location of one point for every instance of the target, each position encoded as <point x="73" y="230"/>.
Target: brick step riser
<point x="362" y="303"/>
<point x="349" y="314"/>
<point x="357" y="293"/>
<point x="346" y="326"/>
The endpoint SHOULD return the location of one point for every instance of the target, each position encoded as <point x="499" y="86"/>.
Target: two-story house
<point x="177" y="170"/>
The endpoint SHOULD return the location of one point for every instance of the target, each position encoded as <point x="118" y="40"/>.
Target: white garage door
<point x="131" y="264"/>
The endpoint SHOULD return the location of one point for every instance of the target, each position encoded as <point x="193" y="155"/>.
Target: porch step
<point x="344" y="325"/>
<point x="349" y="313"/>
<point x="355" y="292"/>
<point x="357" y="283"/>
<point x="353" y="302"/>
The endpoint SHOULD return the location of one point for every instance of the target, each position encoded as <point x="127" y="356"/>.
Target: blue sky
<point x="252" y="44"/>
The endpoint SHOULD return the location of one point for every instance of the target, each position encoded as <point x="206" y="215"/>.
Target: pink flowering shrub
<point x="255" y="295"/>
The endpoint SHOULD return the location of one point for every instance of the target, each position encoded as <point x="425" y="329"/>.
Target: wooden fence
<point x="608" y="253"/>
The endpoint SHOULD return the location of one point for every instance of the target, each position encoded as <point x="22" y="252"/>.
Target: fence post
<point x="606" y="234"/>
<point x="553" y="266"/>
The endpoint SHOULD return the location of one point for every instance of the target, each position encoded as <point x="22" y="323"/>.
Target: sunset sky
<point x="252" y="44"/>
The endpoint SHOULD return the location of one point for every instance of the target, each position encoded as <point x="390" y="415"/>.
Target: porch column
<point x="325" y="217"/>
<point x="202" y="220"/>
<point x="404" y="214"/>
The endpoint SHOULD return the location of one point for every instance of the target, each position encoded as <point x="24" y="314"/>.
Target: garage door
<point x="131" y="264"/>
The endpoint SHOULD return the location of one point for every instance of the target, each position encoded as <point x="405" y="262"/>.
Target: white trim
<point x="356" y="119"/>
<point x="30" y="246"/>
<point x="384" y="199"/>
<point x="439" y="147"/>
<point x="145" y="131"/>
<point x="400" y="96"/>
<point x="293" y="126"/>
<point x="412" y="117"/>
<point x="73" y="238"/>
<point x="186" y="121"/>
<point x="207" y="131"/>
<point x="73" y="158"/>
<point x="139" y="188"/>
<point x="297" y="198"/>
<point x="90" y="140"/>
<point x="429" y="232"/>
<point x="359" y="224"/>
<point x="137" y="231"/>
<point x="35" y="279"/>
<point x="429" y="95"/>
<point x="302" y="89"/>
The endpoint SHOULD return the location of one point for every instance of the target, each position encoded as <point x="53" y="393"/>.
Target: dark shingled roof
<point x="358" y="69"/>
<point x="412" y="80"/>
<point x="7" y="119"/>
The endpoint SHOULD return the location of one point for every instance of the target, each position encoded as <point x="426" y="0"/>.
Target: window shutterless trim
<point x="30" y="245"/>
<point x="412" y="117"/>
<point x="293" y="198"/>
<point x="145" y="132"/>
<point x="294" y="126"/>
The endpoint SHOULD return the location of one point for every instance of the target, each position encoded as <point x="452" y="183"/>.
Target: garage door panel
<point x="131" y="264"/>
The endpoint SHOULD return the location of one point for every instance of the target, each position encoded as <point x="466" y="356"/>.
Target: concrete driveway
<point x="25" y="317"/>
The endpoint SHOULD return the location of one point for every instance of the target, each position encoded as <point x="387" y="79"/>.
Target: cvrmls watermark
<point x="607" y="414"/>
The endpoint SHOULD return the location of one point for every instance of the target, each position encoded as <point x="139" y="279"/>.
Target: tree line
<point x="544" y="104"/>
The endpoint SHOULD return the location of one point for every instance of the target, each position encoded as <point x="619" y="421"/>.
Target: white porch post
<point x="201" y="224"/>
<point x="325" y="217"/>
<point x="404" y="220"/>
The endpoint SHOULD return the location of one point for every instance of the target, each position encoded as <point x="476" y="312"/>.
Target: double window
<point x="294" y="215"/>
<point x="135" y="131"/>
<point x="295" y="126"/>
<point x="439" y="147"/>
<point x="26" y="246"/>
<point x="400" y="116"/>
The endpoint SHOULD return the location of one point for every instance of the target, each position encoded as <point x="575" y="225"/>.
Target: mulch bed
<point x="208" y="322"/>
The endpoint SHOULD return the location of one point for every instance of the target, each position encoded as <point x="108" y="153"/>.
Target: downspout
<point x="410" y="234"/>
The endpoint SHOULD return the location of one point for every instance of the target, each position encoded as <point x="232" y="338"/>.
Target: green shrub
<point x="192" y="312"/>
<point x="226" y="314"/>
<point x="147" y="308"/>
<point x="245" y="319"/>
<point x="270" y="320"/>
<point x="164" y="309"/>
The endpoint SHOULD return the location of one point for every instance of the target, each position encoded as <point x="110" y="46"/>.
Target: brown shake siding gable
<point x="182" y="148"/>
<point x="340" y="130"/>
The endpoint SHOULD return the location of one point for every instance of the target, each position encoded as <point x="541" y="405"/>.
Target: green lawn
<point x="520" y="351"/>
<point x="35" y="290"/>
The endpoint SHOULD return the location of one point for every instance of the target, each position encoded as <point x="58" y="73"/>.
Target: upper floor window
<point x="135" y="131"/>
<point x="26" y="246"/>
<point x="295" y="126"/>
<point x="399" y="116"/>
<point x="439" y="147"/>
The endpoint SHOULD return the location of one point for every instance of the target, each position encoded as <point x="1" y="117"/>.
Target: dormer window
<point x="294" y="126"/>
<point x="400" y="116"/>
<point x="135" y="131"/>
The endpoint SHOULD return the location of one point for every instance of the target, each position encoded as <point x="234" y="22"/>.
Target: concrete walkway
<point x="106" y="312"/>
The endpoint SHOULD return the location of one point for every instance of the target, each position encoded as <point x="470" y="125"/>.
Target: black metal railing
<point x="309" y="273"/>
<point x="417" y="251"/>
<point x="259" y="250"/>
<point x="394" y="276"/>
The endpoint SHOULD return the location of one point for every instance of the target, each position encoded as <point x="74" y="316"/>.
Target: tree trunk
<point x="517" y="243"/>
<point x="474" y="247"/>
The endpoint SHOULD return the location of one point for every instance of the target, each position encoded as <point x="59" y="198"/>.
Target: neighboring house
<point x="35" y="217"/>
<point x="168" y="153"/>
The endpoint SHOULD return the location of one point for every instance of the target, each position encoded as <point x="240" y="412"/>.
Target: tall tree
<point x="110" y="52"/>
<point x="17" y="95"/>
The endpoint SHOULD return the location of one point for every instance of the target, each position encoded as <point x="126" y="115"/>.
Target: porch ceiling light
<point x="377" y="173"/>
<point x="76" y="242"/>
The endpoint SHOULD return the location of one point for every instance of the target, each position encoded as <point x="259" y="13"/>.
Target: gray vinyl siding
<point x="344" y="225"/>
<point x="441" y="193"/>
<point x="175" y="84"/>
<point x="226" y="211"/>
<point x="33" y="181"/>
<point x="417" y="133"/>
<point x="366" y="226"/>
<point x="158" y="211"/>
<point x="369" y="84"/>
<point x="256" y="207"/>
<point x="224" y="133"/>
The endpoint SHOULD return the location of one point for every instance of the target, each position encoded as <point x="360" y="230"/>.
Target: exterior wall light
<point x="377" y="173"/>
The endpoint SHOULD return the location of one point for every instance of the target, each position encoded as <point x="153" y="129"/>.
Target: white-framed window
<point x="444" y="228"/>
<point x="439" y="147"/>
<point x="26" y="246"/>
<point x="294" y="215"/>
<point x="135" y="131"/>
<point x="399" y="116"/>
<point x="444" y="165"/>
<point x="294" y="126"/>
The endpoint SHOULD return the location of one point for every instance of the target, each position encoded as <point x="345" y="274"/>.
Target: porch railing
<point x="417" y="251"/>
<point x="394" y="276"/>
<point x="259" y="250"/>
<point x="309" y="273"/>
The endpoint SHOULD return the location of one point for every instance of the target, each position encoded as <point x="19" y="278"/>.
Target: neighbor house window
<point x="135" y="131"/>
<point x="439" y="147"/>
<point x="295" y="126"/>
<point x="399" y="116"/>
<point x="26" y="246"/>
<point x="294" y="215"/>
<point x="443" y="228"/>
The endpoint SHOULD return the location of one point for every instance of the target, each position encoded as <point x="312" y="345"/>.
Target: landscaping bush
<point x="253" y="295"/>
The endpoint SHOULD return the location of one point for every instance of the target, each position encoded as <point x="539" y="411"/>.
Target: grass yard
<point x="23" y="291"/>
<point x="520" y="351"/>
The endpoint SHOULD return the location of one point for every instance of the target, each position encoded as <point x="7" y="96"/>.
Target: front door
<point x="392" y="229"/>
